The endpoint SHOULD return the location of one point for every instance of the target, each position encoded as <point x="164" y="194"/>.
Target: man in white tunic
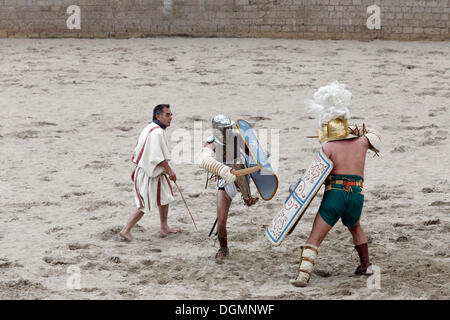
<point x="152" y="187"/>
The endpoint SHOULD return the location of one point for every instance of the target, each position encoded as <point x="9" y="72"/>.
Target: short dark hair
<point x="158" y="109"/>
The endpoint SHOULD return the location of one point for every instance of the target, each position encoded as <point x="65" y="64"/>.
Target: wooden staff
<point x="179" y="190"/>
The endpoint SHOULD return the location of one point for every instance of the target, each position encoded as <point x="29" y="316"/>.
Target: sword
<point x="243" y="172"/>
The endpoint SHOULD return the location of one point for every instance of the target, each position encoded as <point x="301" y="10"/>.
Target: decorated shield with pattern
<point x="298" y="201"/>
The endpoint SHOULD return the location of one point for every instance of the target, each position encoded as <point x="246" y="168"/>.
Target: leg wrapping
<point x="308" y="257"/>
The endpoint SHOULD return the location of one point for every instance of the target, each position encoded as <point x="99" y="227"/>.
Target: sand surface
<point x="71" y="111"/>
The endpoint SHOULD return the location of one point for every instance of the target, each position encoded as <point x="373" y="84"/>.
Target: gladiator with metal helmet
<point x="233" y="155"/>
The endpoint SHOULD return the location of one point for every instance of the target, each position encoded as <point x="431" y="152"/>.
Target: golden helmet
<point x="336" y="129"/>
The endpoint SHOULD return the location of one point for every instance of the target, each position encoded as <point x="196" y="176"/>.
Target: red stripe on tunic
<point x="141" y="205"/>
<point x="145" y="142"/>
<point x="170" y="186"/>
<point x="158" y="192"/>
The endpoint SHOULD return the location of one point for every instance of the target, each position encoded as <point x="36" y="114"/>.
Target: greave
<point x="364" y="267"/>
<point x="308" y="257"/>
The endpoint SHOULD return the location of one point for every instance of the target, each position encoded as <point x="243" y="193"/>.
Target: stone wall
<point x="303" y="19"/>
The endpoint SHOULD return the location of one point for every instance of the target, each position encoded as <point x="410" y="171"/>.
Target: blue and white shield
<point x="266" y="180"/>
<point x="298" y="201"/>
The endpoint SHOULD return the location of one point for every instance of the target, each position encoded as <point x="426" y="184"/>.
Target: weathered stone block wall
<point x="305" y="19"/>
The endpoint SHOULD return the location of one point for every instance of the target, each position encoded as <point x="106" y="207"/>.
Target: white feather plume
<point x="330" y="102"/>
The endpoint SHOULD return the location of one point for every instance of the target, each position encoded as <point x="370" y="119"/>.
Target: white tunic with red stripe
<point x="152" y="187"/>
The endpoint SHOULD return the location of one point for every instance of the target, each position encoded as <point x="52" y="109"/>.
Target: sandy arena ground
<point x="71" y="112"/>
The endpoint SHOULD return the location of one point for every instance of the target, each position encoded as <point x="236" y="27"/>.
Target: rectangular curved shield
<point x="266" y="180"/>
<point x="298" y="201"/>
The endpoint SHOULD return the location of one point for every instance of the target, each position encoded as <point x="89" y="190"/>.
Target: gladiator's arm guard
<point x="374" y="139"/>
<point x="206" y="161"/>
<point x="372" y="135"/>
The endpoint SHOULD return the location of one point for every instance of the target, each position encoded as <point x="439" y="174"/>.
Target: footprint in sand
<point x="89" y="289"/>
<point x="381" y="195"/>
<point x="27" y="134"/>
<point x="5" y="263"/>
<point x="432" y="222"/>
<point x="43" y="124"/>
<point x="147" y="262"/>
<point x="400" y="149"/>
<point x="101" y="204"/>
<point x="55" y="261"/>
<point x="124" y="129"/>
<point x="22" y="285"/>
<point x="402" y="239"/>
<point x="164" y="280"/>
<point x="431" y="190"/>
<point x="430" y="141"/>
<point x="111" y="233"/>
<point x="79" y="246"/>
<point x="97" y="165"/>
<point x="115" y="259"/>
<point x="194" y="195"/>
<point x="195" y="118"/>
<point x="323" y="273"/>
<point x="397" y="225"/>
<point x="259" y="118"/>
<point x="144" y="282"/>
<point x="440" y="109"/>
<point x="121" y="184"/>
<point x="401" y="205"/>
<point x="76" y="194"/>
<point x="182" y="220"/>
<point x="53" y="230"/>
<point x="440" y="203"/>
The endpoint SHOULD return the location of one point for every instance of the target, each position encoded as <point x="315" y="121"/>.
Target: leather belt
<point x="347" y="185"/>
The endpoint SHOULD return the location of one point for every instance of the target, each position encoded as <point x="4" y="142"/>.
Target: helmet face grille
<point x="222" y="128"/>
<point x="221" y="121"/>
